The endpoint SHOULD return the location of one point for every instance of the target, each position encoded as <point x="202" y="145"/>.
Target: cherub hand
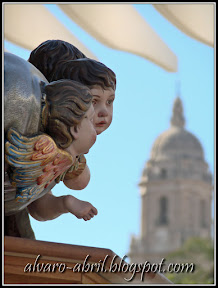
<point x="79" y="208"/>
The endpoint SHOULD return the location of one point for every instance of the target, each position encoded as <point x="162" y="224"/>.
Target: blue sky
<point x="142" y="111"/>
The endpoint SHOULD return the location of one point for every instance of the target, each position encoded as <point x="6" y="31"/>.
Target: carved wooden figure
<point x="26" y="111"/>
<point x="47" y="127"/>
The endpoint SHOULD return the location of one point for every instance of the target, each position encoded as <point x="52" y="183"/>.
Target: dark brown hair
<point x="86" y="71"/>
<point x="47" y="54"/>
<point x="67" y="102"/>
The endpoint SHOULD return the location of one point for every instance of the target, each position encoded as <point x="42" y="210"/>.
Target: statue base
<point x="29" y="261"/>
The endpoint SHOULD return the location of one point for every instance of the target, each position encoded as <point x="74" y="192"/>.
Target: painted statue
<point x="47" y="127"/>
<point x="58" y="59"/>
<point x="61" y="63"/>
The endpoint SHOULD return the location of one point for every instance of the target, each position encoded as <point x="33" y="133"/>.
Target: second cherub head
<point x="58" y="59"/>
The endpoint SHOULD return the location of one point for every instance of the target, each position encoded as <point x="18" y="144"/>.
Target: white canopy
<point x="121" y="27"/>
<point x="28" y="25"/>
<point x="195" y="20"/>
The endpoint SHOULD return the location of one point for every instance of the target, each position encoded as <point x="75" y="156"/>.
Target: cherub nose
<point x="103" y="112"/>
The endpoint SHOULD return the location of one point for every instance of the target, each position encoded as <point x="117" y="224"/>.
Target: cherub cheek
<point x="94" y="138"/>
<point x="109" y="120"/>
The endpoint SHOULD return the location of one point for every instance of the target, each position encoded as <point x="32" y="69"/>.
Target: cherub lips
<point x="100" y="124"/>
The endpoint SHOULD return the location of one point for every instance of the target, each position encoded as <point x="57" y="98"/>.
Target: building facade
<point x="176" y="193"/>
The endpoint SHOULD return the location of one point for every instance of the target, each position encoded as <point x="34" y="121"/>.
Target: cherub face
<point x="84" y="134"/>
<point x="103" y="105"/>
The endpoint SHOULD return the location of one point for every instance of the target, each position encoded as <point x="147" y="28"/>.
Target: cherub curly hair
<point x="45" y="56"/>
<point x="86" y="71"/>
<point x="66" y="104"/>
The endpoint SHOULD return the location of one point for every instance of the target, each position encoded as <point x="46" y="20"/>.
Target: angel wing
<point x="35" y="162"/>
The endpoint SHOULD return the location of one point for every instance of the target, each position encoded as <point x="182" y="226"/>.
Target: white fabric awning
<point x="121" y="27"/>
<point x="28" y="25"/>
<point x="195" y="20"/>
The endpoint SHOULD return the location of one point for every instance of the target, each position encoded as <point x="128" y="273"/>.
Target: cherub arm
<point x="49" y="207"/>
<point x="35" y="163"/>
<point x="79" y="182"/>
<point x="77" y="177"/>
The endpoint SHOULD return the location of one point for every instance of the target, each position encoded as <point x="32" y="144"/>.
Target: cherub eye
<point x="109" y="102"/>
<point x="94" y="101"/>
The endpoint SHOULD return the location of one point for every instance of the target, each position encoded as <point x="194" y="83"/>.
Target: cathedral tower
<point x="176" y="193"/>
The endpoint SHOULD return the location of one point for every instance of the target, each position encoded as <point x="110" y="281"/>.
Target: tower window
<point x="163" y="173"/>
<point x="163" y="211"/>
<point x="203" y="214"/>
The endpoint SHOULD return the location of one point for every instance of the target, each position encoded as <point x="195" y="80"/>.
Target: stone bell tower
<point x="176" y="193"/>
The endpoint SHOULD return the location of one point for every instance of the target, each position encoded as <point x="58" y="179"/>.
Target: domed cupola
<point x="176" y="152"/>
<point x="176" y="142"/>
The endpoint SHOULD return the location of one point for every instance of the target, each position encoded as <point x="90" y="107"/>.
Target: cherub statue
<point x="58" y="59"/>
<point x="47" y="126"/>
<point x="47" y="58"/>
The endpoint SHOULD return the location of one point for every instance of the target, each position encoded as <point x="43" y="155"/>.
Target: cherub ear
<point x="75" y="131"/>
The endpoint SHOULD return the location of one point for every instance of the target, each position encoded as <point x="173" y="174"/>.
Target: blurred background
<point x="159" y="53"/>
